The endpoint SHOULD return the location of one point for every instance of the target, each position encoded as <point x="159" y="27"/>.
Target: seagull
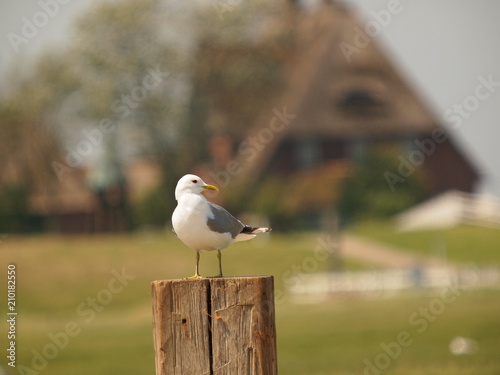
<point x="205" y="226"/>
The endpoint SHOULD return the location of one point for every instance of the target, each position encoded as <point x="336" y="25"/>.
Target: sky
<point x="447" y="50"/>
<point x="444" y="48"/>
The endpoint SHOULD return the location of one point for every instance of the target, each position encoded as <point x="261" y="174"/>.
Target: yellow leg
<point x="196" y="274"/>
<point x="219" y="256"/>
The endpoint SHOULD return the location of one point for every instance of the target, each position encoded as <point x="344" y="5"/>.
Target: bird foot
<point x="194" y="277"/>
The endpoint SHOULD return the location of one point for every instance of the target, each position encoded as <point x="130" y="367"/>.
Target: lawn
<point x="64" y="284"/>
<point x="463" y="244"/>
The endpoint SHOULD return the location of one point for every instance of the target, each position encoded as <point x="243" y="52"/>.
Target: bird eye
<point x="194" y="181"/>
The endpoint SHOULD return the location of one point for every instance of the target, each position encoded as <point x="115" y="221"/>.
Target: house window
<point x="357" y="148"/>
<point x="362" y="102"/>
<point x="308" y="153"/>
<point x="409" y="142"/>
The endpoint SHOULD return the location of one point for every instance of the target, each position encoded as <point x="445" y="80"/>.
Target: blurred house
<point x="305" y="99"/>
<point x="93" y="199"/>
<point x="85" y="200"/>
<point x="451" y="209"/>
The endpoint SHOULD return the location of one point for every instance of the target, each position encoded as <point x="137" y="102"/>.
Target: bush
<point x="154" y="209"/>
<point x="14" y="210"/>
<point x="366" y="195"/>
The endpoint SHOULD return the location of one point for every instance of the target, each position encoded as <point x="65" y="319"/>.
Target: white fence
<point x="379" y="283"/>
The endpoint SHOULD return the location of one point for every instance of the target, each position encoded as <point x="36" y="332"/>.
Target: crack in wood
<point x="210" y="343"/>
<point x="214" y="327"/>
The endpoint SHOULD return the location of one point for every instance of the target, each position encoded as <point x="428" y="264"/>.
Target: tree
<point x="29" y="143"/>
<point x="133" y="63"/>
<point x="365" y="193"/>
<point x="124" y="85"/>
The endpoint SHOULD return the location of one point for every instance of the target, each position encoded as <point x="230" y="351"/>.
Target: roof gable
<point x="321" y="91"/>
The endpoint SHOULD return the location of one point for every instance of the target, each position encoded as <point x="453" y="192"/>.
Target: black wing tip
<point x="251" y="230"/>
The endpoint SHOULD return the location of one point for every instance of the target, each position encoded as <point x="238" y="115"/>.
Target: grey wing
<point x="223" y="221"/>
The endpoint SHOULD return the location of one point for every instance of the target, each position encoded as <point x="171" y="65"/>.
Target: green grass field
<point x="65" y="283"/>
<point x="462" y="244"/>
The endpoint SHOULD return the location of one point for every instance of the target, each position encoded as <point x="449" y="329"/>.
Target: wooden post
<point x="214" y="326"/>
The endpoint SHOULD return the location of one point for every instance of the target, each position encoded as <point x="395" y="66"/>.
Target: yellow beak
<point x="210" y="187"/>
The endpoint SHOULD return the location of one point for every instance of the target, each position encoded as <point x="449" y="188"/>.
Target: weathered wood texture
<point x="215" y="326"/>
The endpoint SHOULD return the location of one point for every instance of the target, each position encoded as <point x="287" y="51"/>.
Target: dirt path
<point x="384" y="255"/>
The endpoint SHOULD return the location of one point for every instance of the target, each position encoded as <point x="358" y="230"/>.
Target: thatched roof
<point x="311" y="75"/>
<point x="331" y="94"/>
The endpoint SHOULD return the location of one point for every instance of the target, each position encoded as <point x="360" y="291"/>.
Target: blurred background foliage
<point x="116" y="48"/>
<point x="365" y="195"/>
<point x="135" y="67"/>
<point x="153" y="210"/>
<point x="14" y="212"/>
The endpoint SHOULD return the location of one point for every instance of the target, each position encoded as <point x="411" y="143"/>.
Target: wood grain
<point x="215" y="326"/>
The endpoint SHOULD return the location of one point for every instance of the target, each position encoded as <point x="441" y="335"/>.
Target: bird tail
<point x="250" y="232"/>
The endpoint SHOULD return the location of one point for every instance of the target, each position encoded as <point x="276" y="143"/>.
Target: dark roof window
<point x="362" y="102"/>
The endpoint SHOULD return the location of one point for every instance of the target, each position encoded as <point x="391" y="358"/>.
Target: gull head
<point x="191" y="184"/>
